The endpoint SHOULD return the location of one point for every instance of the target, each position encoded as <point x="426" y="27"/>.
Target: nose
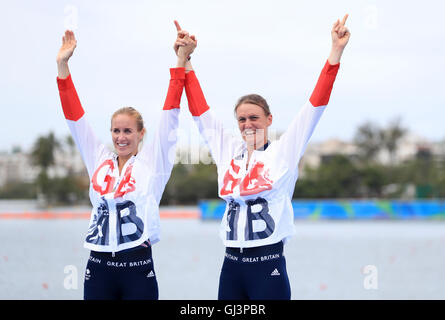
<point x="119" y="136"/>
<point x="248" y="124"/>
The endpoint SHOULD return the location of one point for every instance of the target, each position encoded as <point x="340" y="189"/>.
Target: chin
<point x="125" y="153"/>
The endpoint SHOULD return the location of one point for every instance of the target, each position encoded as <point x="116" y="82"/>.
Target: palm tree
<point x="42" y="155"/>
<point x="391" y="137"/>
<point x="368" y="140"/>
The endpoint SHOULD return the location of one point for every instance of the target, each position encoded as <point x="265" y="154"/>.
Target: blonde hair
<point x="133" y="113"/>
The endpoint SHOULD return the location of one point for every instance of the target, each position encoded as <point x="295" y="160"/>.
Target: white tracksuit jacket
<point x="258" y="199"/>
<point x="125" y="209"/>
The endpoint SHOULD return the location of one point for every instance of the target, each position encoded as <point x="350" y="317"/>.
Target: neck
<point x="262" y="146"/>
<point x="252" y="148"/>
<point x="256" y="146"/>
<point x="122" y="160"/>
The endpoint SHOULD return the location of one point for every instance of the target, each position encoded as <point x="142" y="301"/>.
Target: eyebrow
<point x="250" y="116"/>
<point x="121" y="129"/>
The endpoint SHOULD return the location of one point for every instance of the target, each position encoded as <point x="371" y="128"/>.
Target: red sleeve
<point x="175" y="88"/>
<point x="322" y="92"/>
<point x="70" y="101"/>
<point x="195" y="97"/>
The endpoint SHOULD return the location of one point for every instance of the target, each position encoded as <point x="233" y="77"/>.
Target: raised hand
<point x="340" y="33"/>
<point x="181" y="34"/>
<point x="184" y="44"/>
<point x="69" y="43"/>
<point x="340" y="36"/>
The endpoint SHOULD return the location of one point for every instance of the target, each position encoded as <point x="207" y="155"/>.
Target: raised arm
<point x="220" y="142"/>
<point x="296" y="137"/>
<point x="160" y="154"/>
<point x="82" y="133"/>
<point x="182" y="40"/>
<point x="340" y="36"/>
<point x="69" y="43"/>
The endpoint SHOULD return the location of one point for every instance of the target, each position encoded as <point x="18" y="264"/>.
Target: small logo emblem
<point x="87" y="274"/>
<point x="275" y="273"/>
<point x="151" y="274"/>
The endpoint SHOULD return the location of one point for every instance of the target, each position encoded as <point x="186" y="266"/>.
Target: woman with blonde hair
<point x="125" y="185"/>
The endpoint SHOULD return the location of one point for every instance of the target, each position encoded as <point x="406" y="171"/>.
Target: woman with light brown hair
<point x="256" y="177"/>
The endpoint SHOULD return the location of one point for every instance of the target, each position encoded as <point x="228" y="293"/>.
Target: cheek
<point x="136" y="139"/>
<point x="264" y="124"/>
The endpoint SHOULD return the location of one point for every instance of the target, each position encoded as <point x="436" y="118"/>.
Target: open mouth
<point x="249" y="132"/>
<point x="122" y="144"/>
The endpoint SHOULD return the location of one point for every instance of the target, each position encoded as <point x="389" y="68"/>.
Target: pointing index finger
<point x="344" y="19"/>
<point x="178" y="27"/>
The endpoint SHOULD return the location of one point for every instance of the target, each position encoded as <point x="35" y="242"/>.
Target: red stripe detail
<point x="322" y="92"/>
<point x="195" y="97"/>
<point x="179" y="214"/>
<point x="70" y="101"/>
<point x="175" y="88"/>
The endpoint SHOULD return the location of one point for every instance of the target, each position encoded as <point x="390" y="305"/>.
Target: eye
<point x="241" y="119"/>
<point x="115" y="130"/>
<point x="127" y="131"/>
<point x="253" y="118"/>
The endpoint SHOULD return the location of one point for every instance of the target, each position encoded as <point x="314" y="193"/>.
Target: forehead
<point x="249" y="109"/>
<point x="124" y="120"/>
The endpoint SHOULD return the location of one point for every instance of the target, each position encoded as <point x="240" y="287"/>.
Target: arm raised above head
<point x="340" y="36"/>
<point x="90" y="148"/>
<point x="69" y="43"/>
<point x="294" y="141"/>
<point x="184" y="46"/>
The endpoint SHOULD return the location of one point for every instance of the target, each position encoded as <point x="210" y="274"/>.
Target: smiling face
<point x="125" y="135"/>
<point x="253" y="123"/>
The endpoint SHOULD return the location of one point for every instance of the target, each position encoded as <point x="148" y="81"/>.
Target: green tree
<point x="336" y="177"/>
<point x="43" y="156"/>
<point x="43" y="151"/>
<point x="190" y="183"/>
<point x="391" y="137"/>
<point x="368" y="139"/>
<point x="372" y="180"/>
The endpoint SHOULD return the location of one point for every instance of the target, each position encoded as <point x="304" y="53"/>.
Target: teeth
<point x="122" y="144"/>
<point x="248" y="132"/>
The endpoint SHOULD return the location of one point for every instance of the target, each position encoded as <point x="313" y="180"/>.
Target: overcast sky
<point x="393" y="65"/>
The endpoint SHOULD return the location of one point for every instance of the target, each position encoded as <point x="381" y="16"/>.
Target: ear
<point x="269" y="119"/>
<point x="142" y="133"/>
